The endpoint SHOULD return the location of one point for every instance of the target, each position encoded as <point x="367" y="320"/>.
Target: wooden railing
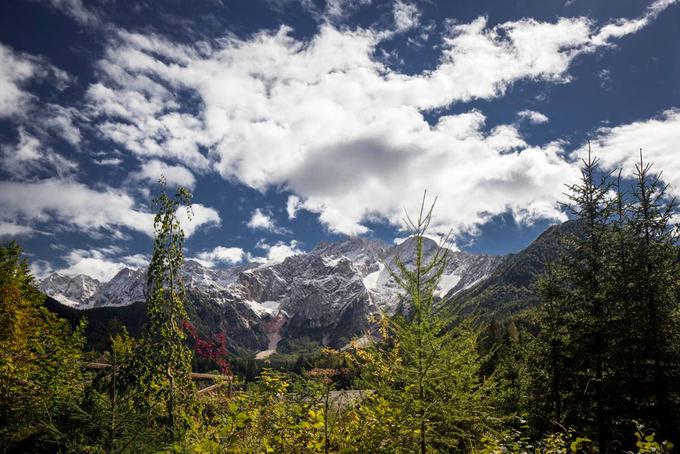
<point x="221" y="380"/>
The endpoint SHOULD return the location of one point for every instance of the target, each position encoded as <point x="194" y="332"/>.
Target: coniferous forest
<point x="594" y="366"/>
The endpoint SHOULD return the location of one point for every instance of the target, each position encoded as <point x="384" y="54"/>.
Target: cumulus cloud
<point x="532" y="116"/>
<point x="92" y="211"/>
<point x="136" y="260"/>
<point x="293" y="204"/>
<point x="200" y="216"/>
<point x="329" y="122"/>
<point x="72" y="204"/>
<point x="619" y="147"/>
<point x="221" y="254"/>
<point x="260" y="220"/>
<point x="275" y="253"/>
<point x="174" y="175"/>
<point x="99" y="263"/>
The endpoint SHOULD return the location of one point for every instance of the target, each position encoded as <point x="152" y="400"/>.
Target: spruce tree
<point x="426" y="371"/>
<point x="550" y="357"/>
<point x="655" y="286"/>
<point x="584" y="268"/>
<point x="575" y="333"/>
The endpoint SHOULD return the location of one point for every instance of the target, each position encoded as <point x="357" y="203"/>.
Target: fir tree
<point x="655" y="283"/>
<point x="427" y="370"/>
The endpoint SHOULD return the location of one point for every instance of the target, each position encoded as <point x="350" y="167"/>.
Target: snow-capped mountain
<point x="326" y="294"/>
<point x="70" y="290"/>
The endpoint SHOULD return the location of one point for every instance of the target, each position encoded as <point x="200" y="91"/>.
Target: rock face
<point x="71" y="290"/>
<point x="326" y="295"/>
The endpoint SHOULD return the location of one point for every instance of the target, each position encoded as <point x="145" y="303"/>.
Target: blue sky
<point x="296" y="121"/>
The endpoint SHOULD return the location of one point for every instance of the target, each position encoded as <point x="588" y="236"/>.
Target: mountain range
<point x="326" y="295"/>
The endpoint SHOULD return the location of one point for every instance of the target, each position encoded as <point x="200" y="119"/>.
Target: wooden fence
<point x="220" y="380"/>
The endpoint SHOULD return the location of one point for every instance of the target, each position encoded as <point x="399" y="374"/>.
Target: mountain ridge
<point x="327" y="294"/>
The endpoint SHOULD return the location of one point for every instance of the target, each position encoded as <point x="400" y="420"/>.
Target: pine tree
<point x="575" y="333"/>
<point x="619" y="289"/>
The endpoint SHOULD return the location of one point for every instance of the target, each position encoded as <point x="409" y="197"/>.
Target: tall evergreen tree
<point x="584" y="270"/>
<point x="427" y="370"/>
<point x="550" y="359"/>
<point x="579" y="351"/>
<point x="655" y="287"/>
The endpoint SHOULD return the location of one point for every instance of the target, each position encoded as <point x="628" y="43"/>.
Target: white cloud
<point x="61" y="120"/>
<point x="108" y="162"/>
<point x="201" y="216"/>
<point x="406" y="15"/>
<point x="622" y="27"/>
<point x="29" y="156"/>
<point x="221" y="254"/>
<point x="73" y="204"/>
<point x="101" y="264"/>
<point x="136" y="260"/>
<point x="15" y="71"/>
<point x="75" y="10"/>
<point x="9" y="229"/>
<point x="261" y="221"/>
<point x="340" y="9"/>
<point x="93" y="263"/>
<point x="277" y="252"/>
<point x="619" y="147"/>
<point x="327" y="121"/>
<point x="174" y="175"/>
<point x="76" y="205"/>
<point x="532" y="116"/>
<point x="40" y="269"/>
<point x="293" y="204"/>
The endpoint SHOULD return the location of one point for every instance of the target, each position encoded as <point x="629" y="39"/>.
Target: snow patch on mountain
<point x="326" y="294"/>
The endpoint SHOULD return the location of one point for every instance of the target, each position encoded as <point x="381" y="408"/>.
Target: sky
<point x="299" y="121"/>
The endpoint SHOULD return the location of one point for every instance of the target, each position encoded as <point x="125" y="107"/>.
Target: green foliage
<point x="571" y="375"/>
<point x="645" y="441"/>
<point x="606" y="352"/>
<point x="40" y="359"/>
<point x="163" y="362"/>
<point x="426" y="370"/>
<point x="112" y="416"/>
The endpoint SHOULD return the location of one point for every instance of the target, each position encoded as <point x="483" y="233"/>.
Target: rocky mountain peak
<point x="326" y="294"/>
